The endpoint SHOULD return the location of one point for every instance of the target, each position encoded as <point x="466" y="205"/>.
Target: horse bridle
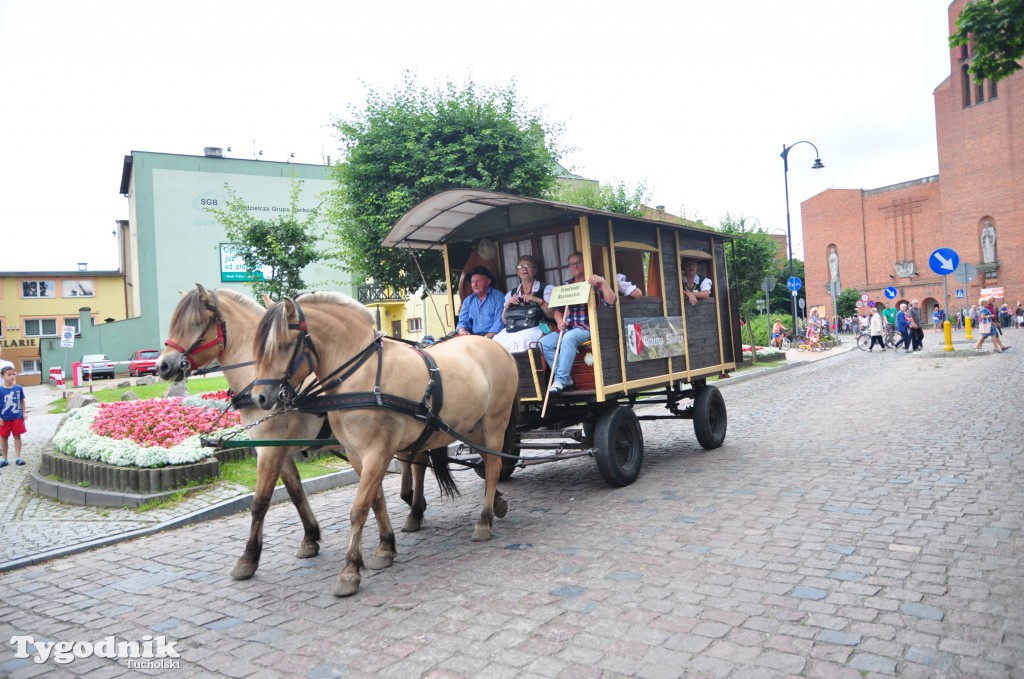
<point x="304" y="351"/>
<point x="187" y="364"/>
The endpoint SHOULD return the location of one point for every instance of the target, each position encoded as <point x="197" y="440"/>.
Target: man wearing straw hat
<point x="573" y="326"/>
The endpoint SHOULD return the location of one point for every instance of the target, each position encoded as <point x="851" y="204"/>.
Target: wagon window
<point x="641" y="269"/>
<point x="555" y="249"/>
<point x="510" y="254"/>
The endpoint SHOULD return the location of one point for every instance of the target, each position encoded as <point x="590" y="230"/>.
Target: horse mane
<point x="191" y="310"/>
<point x="272" y="332"/>
<point x="339" y="298"/>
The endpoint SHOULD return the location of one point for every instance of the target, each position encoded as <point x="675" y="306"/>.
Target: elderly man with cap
<point x="481" y="311"/>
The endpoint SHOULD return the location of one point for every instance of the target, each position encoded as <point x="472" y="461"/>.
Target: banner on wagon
<point x="656" y="337"/>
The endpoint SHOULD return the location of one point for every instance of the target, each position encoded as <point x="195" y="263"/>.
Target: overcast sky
<point x="694" y="99"/>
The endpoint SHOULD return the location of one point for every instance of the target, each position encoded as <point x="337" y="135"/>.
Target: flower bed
<point x="150" y="433"/>
<point x="764" y="353"/>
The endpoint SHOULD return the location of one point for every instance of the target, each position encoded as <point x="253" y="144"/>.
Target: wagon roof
<point x="465" y="214"/>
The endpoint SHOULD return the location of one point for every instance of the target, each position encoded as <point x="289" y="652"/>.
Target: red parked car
<point x="143" y="362"/>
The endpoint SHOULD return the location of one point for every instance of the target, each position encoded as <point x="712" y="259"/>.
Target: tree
<point x="847" y="302"/>
<point x="995" y="28"/>
<point x="285" y="244"/>
<point x="618" y="198"/>
<point x="750" y="259"/>
<point x="412" y="143"/>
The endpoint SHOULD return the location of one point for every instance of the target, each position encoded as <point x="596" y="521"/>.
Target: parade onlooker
<point x="917" y="330"/>
<point x="903" y="325"/>
<point x="988" y="326"/>
<point x="876" y="327"/>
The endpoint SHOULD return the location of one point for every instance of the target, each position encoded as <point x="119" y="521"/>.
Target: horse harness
<point x="314" y="399"/>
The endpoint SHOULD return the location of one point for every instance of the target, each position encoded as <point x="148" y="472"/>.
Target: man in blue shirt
<point x="481" y="312"/>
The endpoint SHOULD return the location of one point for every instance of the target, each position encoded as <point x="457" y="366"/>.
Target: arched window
<point x="979" y="91"/>
<point x="966" y="77"/>
<point x="993" y="91"/>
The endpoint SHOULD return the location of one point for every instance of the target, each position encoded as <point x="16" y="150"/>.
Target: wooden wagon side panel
<point x="726" y="304"/>
<point x="670" y="262"/>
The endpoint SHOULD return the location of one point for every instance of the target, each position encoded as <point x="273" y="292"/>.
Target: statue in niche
<point x="833" y="265"/>
<point x="988" y="244"/>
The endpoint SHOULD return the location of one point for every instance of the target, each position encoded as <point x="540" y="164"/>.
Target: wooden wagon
<point x="655" y="350"/>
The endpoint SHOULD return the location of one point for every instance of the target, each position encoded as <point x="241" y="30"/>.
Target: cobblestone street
<point x="864" y="518"/>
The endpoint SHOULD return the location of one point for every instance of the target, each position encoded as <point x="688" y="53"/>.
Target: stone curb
<point x="221" y="509"/>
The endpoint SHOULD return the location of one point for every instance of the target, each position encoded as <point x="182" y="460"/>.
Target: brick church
<point x="876" y="238"/>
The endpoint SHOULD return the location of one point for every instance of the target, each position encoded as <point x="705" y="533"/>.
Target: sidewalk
<point x="36" y="529"/>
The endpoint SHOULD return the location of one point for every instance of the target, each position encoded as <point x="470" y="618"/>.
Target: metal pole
<point x="789" y="228"/>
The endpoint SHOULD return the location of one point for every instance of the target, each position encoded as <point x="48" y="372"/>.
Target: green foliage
<point x="846" y="303"/>
<point x="750" y="259"/>
<point x="415" y="142"/>
<point x="618" y="198"/>
<point x="285" y="244"/>
<point x="995" y="28"/>
<point x="762" y="328"/>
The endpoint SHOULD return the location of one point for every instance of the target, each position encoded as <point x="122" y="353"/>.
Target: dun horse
<point x="472" y="390"/>
<point x="209" y="324"/>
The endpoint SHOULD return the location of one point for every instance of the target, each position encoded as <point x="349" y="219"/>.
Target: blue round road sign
<point x="943" y="261"/>
<point x="891" y="292"/>
<point x="794" y="284"/>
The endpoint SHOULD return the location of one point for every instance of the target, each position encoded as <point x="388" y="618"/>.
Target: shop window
<point x="31" y="366"/>
<point x="40" y="327"/>
<point x="35" y="289"/>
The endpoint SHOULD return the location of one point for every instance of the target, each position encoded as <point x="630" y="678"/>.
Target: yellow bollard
<point x="967" y="327"/>
<point x="947" y="330"/>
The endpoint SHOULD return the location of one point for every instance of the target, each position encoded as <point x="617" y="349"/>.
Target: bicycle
<point x="890" y="339"/>
<point x="784" y="341"/>
<point x="803" y="344"/>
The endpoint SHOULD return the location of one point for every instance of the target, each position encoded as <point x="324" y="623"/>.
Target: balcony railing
<point x="370" y="294"/>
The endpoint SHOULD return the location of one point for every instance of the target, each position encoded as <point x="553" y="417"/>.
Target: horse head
<point x="284" y="354"/>
<point x="197" y="335"/>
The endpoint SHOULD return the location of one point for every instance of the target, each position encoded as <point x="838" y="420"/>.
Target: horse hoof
<point x="481" y="534"/>
<point x="412" y="524"/>
<point x="307" y="550"/>
<point x="243" y="570"/>
<point x="500" y="507"/>
<point x="345" y="587"/>
<point x="376" y="563"/>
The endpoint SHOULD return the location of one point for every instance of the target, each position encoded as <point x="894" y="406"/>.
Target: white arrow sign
<point x="944" y="263"/>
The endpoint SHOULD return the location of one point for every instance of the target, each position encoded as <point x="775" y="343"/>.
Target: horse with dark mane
<point x="385" y="397"/>
<point x="220" y="324"/>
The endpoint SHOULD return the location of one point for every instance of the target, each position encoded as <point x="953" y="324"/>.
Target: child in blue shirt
<point x="12" y="415"/>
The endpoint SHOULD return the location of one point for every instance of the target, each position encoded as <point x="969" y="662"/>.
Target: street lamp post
<point x="789" y="229"/>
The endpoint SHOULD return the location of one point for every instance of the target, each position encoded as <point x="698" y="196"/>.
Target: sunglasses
<point x="576" y="263"/>
<point x="524" y="267"/>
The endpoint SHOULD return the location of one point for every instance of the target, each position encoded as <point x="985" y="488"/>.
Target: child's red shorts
<point x="8" y="427"/>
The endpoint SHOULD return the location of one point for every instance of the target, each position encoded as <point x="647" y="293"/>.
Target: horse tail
<point x="442" y="472"/>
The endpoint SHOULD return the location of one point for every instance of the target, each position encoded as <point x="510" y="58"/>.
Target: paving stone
<point x="906" y="561"/>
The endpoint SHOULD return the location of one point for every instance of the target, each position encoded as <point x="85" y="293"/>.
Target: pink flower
<point x="163" y="422"/>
